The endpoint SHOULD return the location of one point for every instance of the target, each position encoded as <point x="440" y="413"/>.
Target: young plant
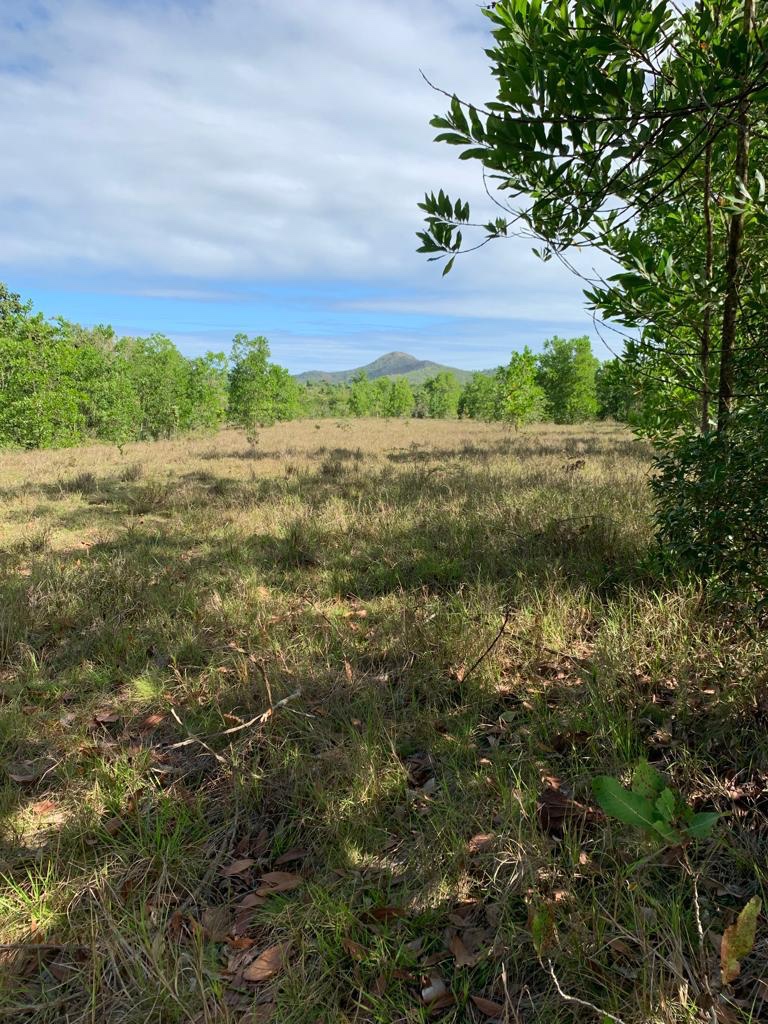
<point x="651" y="805"/>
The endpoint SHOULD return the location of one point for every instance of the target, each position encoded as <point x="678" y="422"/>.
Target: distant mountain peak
<point x="391" y="364"/>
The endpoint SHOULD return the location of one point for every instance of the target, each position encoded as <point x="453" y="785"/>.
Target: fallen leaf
<point x="152" y="721"/>
<point x="460" y="953"/>
<point x="106" y="716"/>
<point x="291" y="855"/>
<point x="27" y="772"/>
<point x="620" y="948"/>
<point x="175" y="924"/>
<point x="348" y="671"/>
<point x="43" y="807"/>
<point x="487" y="1006"/>
<point x="480" y="843"/>
<point x="267" y="964"/>
<point x="112" y="825"/>
<point x="253" y="899"/>
<point x="738" y="940"/>
<point x="433" y="990"/>
<point x="354" y="949"/>
<point x="556" y="810"/>
<point x="379" y="987"/>
<point x="241" y="942"/>
<point x="385" y="913"/>
<point x="238" y="867"/>
<point x="278" y="881"/>
<point x="216" y="922"/>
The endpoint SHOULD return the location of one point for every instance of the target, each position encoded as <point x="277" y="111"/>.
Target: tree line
<point x="64" y="384"/>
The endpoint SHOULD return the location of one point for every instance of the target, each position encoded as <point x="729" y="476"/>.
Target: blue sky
<point x="204" y="167"/>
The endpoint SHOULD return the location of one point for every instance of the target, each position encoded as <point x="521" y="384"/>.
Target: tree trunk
<point x="706" y="331"/>
<point x="733" y="258"/>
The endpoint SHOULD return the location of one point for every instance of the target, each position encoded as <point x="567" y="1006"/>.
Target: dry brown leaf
<point x="267" y="964"/>
<point x="112" y="825"/>
<point x="480" y="843"/>
<point x="385" y="913"/>
<point x="238" y="867"/>
<point x="487" y="1006"/>
<point x="291" y="855"/>
<point x="354" y="949"/>
<point x="460" y="953"/>
<point x="433" y="990"/>
<point x="253" y="899"/>
<point x="555" y="809"/>
<point x="152" y="721"/>
<point x="348" y="671"/>
<point x="106" y="716"/>
<point x="27" y="772"/>
<point x="379" y="987"/>
<point x="278" y="881"/>
<point x="241" y="942"/>
<point x="43" y="807"/>
<point x="216" y="922"/>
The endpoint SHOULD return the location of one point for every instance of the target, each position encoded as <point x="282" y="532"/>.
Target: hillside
<point x="393" y="364"/>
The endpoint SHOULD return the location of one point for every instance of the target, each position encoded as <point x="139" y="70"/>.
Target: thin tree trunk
<point x="733" y="258"/>
<point x="706" y="331"/>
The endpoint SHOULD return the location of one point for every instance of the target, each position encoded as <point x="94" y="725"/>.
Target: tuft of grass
<point x="217" y="653"/>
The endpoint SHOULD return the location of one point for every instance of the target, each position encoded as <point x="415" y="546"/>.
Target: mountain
<point x="393" y="364"/>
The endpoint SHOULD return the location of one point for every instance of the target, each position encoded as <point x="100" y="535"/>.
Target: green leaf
<point x="700" y="826"/>
<point x="542" y="929"/>
<point x="646" y="781"/>
<point x="621" y="803"/>
<point x="449" y="266"/>
<point x="666" y="805"/>
<point x="738" y="940"/>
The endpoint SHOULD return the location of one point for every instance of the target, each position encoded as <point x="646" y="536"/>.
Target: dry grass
<point x="183" y="588"/>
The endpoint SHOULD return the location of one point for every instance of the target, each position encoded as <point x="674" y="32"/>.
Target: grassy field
<point x="255" y="768"/>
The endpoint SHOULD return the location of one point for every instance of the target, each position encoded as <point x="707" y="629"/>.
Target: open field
<point x="220" y="662"/>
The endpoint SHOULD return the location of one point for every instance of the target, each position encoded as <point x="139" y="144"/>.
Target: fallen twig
<point x="491" y="645"/>
<point x="603" y="1014"/>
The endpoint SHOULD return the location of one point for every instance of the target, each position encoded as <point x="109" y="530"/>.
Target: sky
<point x="204" y="167"/>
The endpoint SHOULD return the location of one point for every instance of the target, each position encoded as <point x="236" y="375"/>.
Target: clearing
<point x="250" y="772"/>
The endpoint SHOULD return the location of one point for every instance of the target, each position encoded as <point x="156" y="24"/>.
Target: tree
<point x="260" y="392"/>
<point x="478" y="399"/>
<point x="521" y="398"/>
<point x="207" y="391"/>
<point x="442" y="393"/>
<point x="361" y="395"/>
<point x="628" y="128"/>
<point x="567" y="371"/>
<point x="159" y="375"/>
<point x="400" y="400"/>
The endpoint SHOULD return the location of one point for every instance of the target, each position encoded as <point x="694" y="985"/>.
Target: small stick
<point x="581" y="1002"/>
<point x="194" y="739"/>
<point x="490" y="647"/>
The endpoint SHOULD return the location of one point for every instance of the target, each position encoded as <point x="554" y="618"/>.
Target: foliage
<point x="639" y="131"/>
<point x="651" y="805"/>
<point x="739" y="940"/>
<point x="260" y="392"/>
<point x="567" y="375"/>
<point x="440" y="395"/>
<point x="713" y="495"/>
<point x="521" y="399"/>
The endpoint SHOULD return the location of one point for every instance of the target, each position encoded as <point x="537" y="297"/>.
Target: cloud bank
<point x="193" y="148"/>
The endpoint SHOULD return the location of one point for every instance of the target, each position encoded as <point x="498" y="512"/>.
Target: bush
<point x="712" y="494"/>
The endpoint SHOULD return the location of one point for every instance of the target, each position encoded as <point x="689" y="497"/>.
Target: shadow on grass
<point x="187" y="608"/>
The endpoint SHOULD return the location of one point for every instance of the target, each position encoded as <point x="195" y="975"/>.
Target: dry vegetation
<point x="249" y="773"/>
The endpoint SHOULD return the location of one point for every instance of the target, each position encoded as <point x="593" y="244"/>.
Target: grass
<point x="324" y="594"/>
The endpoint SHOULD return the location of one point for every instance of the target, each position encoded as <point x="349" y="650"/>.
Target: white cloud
<point x="189" y="144"/>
